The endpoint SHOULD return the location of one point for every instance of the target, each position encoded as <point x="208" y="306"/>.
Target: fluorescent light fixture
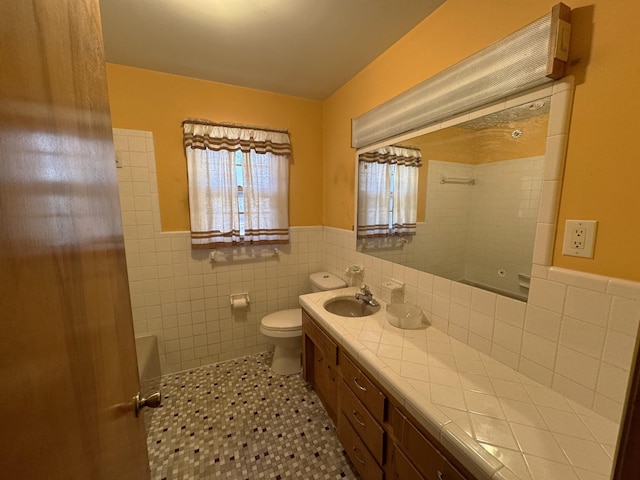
<point x="528" y="58"/>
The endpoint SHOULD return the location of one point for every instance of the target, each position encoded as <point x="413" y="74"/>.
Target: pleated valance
<point x="407" y="156"/>
<point x="205" y="135"/>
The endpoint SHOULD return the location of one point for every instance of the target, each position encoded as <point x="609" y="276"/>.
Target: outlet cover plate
<point x="579" y="238"/>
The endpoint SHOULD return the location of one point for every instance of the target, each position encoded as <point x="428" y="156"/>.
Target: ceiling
<point x="304" y="48"/>
<point x="489" y="138"/>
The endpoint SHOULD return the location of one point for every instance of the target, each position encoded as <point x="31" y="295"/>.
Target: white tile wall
<point x="501" y="232"/>
<point x="464" y="246"/>
<point x="447" y="209"/>
<point x="178" y="295"/>
<point x="576" y="334"/>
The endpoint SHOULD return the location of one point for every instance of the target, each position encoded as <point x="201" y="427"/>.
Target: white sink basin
<point x="405" y="315"/>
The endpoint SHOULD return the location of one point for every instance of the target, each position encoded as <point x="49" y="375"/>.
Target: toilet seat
<point x="283" y="321"/>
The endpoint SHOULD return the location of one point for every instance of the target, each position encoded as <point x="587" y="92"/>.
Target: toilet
<point x="284" y="328"/>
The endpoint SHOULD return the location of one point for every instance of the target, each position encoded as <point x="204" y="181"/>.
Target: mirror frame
<point x="561" y="94"/>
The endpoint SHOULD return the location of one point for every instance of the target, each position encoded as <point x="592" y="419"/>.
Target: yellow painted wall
<point x="157" y="102"/>
<point x="602" y="167"/>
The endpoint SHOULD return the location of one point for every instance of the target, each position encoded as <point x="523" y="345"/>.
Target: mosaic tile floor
<point x="236" y="420"/>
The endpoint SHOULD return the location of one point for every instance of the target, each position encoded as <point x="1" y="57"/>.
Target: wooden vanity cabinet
<point x="379" y="436"/>
<point x="320" y="364"/>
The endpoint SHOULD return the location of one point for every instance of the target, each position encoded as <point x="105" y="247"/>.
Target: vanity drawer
<point x="370" y="432"/>
<point x="365" y="391"/>
<point x="360" y="457"/>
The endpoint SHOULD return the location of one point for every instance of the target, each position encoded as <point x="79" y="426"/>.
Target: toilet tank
<point x="322" y="281"/>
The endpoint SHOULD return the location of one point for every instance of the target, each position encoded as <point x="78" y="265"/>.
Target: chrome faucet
<point x="366" y="296"/>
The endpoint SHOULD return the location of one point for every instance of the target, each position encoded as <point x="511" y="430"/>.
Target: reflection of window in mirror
<point x="388" y="192"/>
<point x="476" y="200"/>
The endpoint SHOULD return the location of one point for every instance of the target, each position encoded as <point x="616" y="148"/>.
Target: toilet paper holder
<point x="239" y="300"/>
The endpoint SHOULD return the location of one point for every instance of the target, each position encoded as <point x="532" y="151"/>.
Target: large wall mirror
<point x="473" y="199"/>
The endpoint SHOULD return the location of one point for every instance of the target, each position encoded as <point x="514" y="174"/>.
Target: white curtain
<point x="405" y="200"/>
<point x="383" y="173"/>
<point x="374" y="187"/>
<point x="213" y="197"/>
<point x="213" y="185"/>
<point x="266" y="208"/>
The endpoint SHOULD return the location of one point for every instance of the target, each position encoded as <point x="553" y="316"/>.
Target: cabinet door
<point x="425" y="456"/>
<point x="325" y="381"/>
<point x="320" y="364"/>
<point x="399" y="466"/>
<point x="449" y="472"/>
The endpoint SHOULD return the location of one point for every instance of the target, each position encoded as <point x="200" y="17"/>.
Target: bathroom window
<point x="388" y="192"/>
<point x="238" y="184"/>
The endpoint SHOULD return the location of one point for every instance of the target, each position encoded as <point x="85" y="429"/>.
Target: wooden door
<point x="67" y="356"/>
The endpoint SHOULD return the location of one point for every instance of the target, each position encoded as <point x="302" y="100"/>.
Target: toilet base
<point x="286" y="361"/>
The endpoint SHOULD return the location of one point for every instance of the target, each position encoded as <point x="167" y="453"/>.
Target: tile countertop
<point x="496" y="421"/>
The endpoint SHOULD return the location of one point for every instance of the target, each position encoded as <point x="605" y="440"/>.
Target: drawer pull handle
<point x="355" y="380"/>
<point x="355" y="454"/>
<point x="355" y="415"/>
<point x="440" y="475"/>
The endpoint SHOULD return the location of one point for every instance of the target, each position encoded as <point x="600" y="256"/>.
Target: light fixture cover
<point x="530" y="57"/>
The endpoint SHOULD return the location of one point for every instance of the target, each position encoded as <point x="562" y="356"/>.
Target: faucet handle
<point x="364" y="288"/>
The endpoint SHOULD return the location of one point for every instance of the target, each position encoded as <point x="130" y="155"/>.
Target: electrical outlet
<point x="579" y="238"/>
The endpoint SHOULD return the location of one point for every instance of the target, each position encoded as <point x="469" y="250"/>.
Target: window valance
<point x="407" y="156"/>
<point x="204" y="135"/>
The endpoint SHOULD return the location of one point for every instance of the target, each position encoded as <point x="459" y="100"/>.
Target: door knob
<point x="152" y="401"/>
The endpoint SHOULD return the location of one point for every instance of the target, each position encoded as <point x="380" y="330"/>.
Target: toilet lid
<point x="283" y="320"/>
